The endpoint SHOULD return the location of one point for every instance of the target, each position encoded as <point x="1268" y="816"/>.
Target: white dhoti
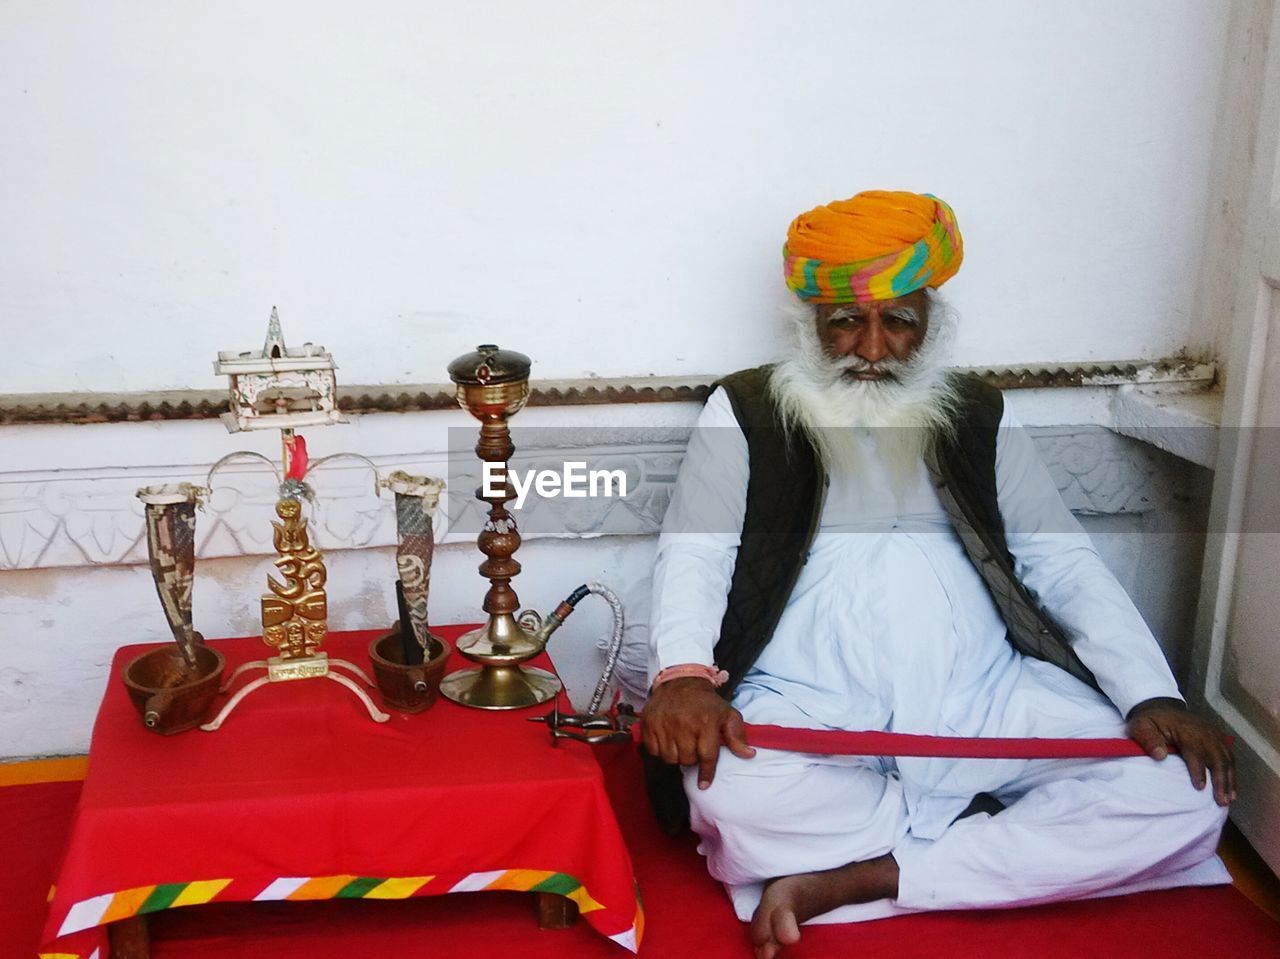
<point x="889" y="627"/>
<point x="1072" y="828"/>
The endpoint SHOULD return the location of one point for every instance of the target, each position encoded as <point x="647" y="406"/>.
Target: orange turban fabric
<point x="874" y="246"/>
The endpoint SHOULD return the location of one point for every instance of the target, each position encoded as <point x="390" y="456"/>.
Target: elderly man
<point x="860" y="540"/>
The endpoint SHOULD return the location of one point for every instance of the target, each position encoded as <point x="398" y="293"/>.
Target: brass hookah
<point x="493" y="385"/>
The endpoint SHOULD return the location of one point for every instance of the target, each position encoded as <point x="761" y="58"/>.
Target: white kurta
<point x="890" y="627"/>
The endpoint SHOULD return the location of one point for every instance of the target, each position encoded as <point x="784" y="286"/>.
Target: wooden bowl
<point x="171" y="696"/>
<point x="409" y="688"/>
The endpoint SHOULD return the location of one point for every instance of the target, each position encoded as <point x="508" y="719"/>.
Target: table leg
<point x="555" y="911"/>
<point x="130" y="938"/>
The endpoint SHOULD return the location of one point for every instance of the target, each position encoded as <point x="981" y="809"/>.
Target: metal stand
<point x="288" y="670"/>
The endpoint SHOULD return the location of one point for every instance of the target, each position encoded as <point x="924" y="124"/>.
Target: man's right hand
<point x="686" y="721"/>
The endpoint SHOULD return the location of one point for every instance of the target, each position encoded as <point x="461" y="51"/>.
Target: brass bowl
<point x="409" y="688"/>
<point x="172" y="697"/>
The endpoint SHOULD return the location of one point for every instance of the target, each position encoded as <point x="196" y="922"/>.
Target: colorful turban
<point x="874" y="246"/>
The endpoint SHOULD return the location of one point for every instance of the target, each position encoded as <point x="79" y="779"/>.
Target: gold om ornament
<point x="295" y="612"/>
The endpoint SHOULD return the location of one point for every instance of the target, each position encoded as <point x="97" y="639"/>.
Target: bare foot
<point x="791" y="900"/>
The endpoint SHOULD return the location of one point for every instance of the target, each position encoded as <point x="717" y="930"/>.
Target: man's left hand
<point x="1161" y="726"/>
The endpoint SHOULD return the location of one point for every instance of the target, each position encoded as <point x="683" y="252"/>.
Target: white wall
<point x="605" y="186"/>
<point x="406" y="179"/>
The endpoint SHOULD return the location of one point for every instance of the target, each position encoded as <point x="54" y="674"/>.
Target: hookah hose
<point x="567" y="606"/>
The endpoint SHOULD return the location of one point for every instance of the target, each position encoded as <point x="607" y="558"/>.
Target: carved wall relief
<point x="86" y="517"/>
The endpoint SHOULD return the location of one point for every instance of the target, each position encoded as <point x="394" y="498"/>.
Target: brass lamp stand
<point x="493" y="385"/>
<point x="283" y="388"/>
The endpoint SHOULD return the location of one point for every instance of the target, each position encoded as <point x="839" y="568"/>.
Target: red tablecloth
<point x="301" y="796"/>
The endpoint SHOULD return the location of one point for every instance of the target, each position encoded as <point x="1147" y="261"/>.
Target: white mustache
<point x="889" y="367"/>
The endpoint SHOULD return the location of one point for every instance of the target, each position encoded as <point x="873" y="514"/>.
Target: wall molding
<point x="91" y="517"/>
<point x="53" y="408"/>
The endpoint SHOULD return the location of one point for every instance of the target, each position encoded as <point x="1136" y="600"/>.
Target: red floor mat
<point x="34" y="822"/>
<point x="687" y="913"/>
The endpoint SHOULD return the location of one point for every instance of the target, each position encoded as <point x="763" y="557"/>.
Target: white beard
<point x="908" y="410"/>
